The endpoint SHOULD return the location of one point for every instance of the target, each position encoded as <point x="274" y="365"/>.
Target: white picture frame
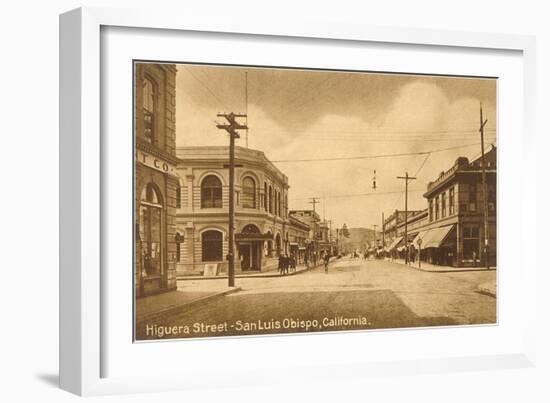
<point x="83" y="175"/>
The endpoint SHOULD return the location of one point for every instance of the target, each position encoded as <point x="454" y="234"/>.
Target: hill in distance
<point x="359" y="238"/>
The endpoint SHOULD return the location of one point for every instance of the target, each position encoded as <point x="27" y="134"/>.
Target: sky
<point x="309" y="115"/>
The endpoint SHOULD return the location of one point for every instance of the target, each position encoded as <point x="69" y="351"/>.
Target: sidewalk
<point x="192" y="291"/>
<point x="271" y="273"/>
<point x="174" y="301"/>
<point x="437" y="268"/>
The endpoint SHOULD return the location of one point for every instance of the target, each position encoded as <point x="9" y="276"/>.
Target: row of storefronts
<point x="450" y="231"/>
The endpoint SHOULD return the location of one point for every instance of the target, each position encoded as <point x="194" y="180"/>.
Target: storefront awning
<point x="433" y="238"/>
<point x="395" y="243"/>
<point x="419" y="239"/>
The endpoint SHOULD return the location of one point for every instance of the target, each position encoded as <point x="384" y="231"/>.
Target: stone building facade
<point x="298" y="239"/>
<point x="261" y="210"/>
<point x="155" y="178"/>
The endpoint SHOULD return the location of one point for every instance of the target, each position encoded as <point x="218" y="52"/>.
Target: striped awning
<point x="395" y="243"/>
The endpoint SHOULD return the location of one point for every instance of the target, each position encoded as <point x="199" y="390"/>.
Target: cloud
<point x="304" y="115"/>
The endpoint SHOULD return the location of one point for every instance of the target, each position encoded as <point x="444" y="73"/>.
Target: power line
<point x="206" y="87"/>
<point x="384" y="132"/>
<point x="361" y="157"/>
<point x="360" y="194"/>
<point x="392" y="140"/>
<point x="416" y="174"/>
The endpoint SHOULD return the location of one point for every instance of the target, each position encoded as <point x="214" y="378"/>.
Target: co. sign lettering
<point x="154" y="163"/>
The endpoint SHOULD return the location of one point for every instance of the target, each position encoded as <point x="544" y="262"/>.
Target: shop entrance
<point x="250" y="255"/>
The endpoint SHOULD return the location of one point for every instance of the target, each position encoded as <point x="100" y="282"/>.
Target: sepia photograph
<point x="276" y="200"/>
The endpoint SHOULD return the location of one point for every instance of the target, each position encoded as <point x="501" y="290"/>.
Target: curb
<point x="457" y="270"/>
<point x="198" y="301"/>
<point x="266" y="275"/>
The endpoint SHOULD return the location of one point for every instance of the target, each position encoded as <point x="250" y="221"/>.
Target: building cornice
<point x="143" y="145"/>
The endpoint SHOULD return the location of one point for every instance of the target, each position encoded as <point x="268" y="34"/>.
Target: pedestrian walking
<point x="326" y="259"/>
<point x="292" y="263"/>
<point x="281" y="265"/>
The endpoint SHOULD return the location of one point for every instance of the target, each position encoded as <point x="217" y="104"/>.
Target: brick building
<point x="450" y="230"/>
<point x="454" y="233"/>
<point x="155" y="180"/>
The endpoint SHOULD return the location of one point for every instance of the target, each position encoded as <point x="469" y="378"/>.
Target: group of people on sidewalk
<point x="287" y="264"/>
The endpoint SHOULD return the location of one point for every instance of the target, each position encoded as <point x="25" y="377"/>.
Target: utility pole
<point x="246" y="103"/>
<point x="374" y="243"/>
<point x="407" y="178"/>
<point x="314" y="201"/>
<point x="231" y="127"/>
<point x="482" y="124"/>
<point x="330" y="235"/>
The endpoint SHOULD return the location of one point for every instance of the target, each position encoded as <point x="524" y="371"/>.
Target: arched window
<point x="149" y="109"/>
<point x="265" y="196"/>
<point x="178" y="196"/>
<point x="278" y="203"/>
<point x="249" y="193"/>
<point x="270" y="199"/>
<point x="211" y="192"/>
<point x="212" y="246"/>
<point x="250" y="229"/>
<point x="150" y="230"/>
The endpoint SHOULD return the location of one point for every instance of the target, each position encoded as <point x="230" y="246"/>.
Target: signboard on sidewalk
<point x="210" y="270"/>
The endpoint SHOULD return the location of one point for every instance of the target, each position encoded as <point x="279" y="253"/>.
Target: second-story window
<point x="265" y="196"/>
<point x="211" y="192"/>
<point x="472" y="204"/>
<point x="437" y="208"/>
<point x="443" y="204"/>
<point x="431" y="210"/>
<point x="270" y="200"/>
<point x="149" y="108"/>
<point x="249" y="193"/>
<point x="451" y="201"/>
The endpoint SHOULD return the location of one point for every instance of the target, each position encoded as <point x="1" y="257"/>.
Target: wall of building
<point x="155" y="163"/>
<point x="195" y="163"/>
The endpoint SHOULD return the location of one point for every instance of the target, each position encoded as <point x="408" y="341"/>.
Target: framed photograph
<point x="237" y="198"/>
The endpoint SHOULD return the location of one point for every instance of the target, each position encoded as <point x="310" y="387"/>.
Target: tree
<point x="345" y="231"/>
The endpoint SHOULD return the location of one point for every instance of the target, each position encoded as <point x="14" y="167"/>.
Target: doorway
<point x="250" y="255"/>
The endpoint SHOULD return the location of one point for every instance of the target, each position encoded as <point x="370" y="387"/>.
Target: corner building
<point x="261" y="210"/>
<point x="155" y="180"/>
